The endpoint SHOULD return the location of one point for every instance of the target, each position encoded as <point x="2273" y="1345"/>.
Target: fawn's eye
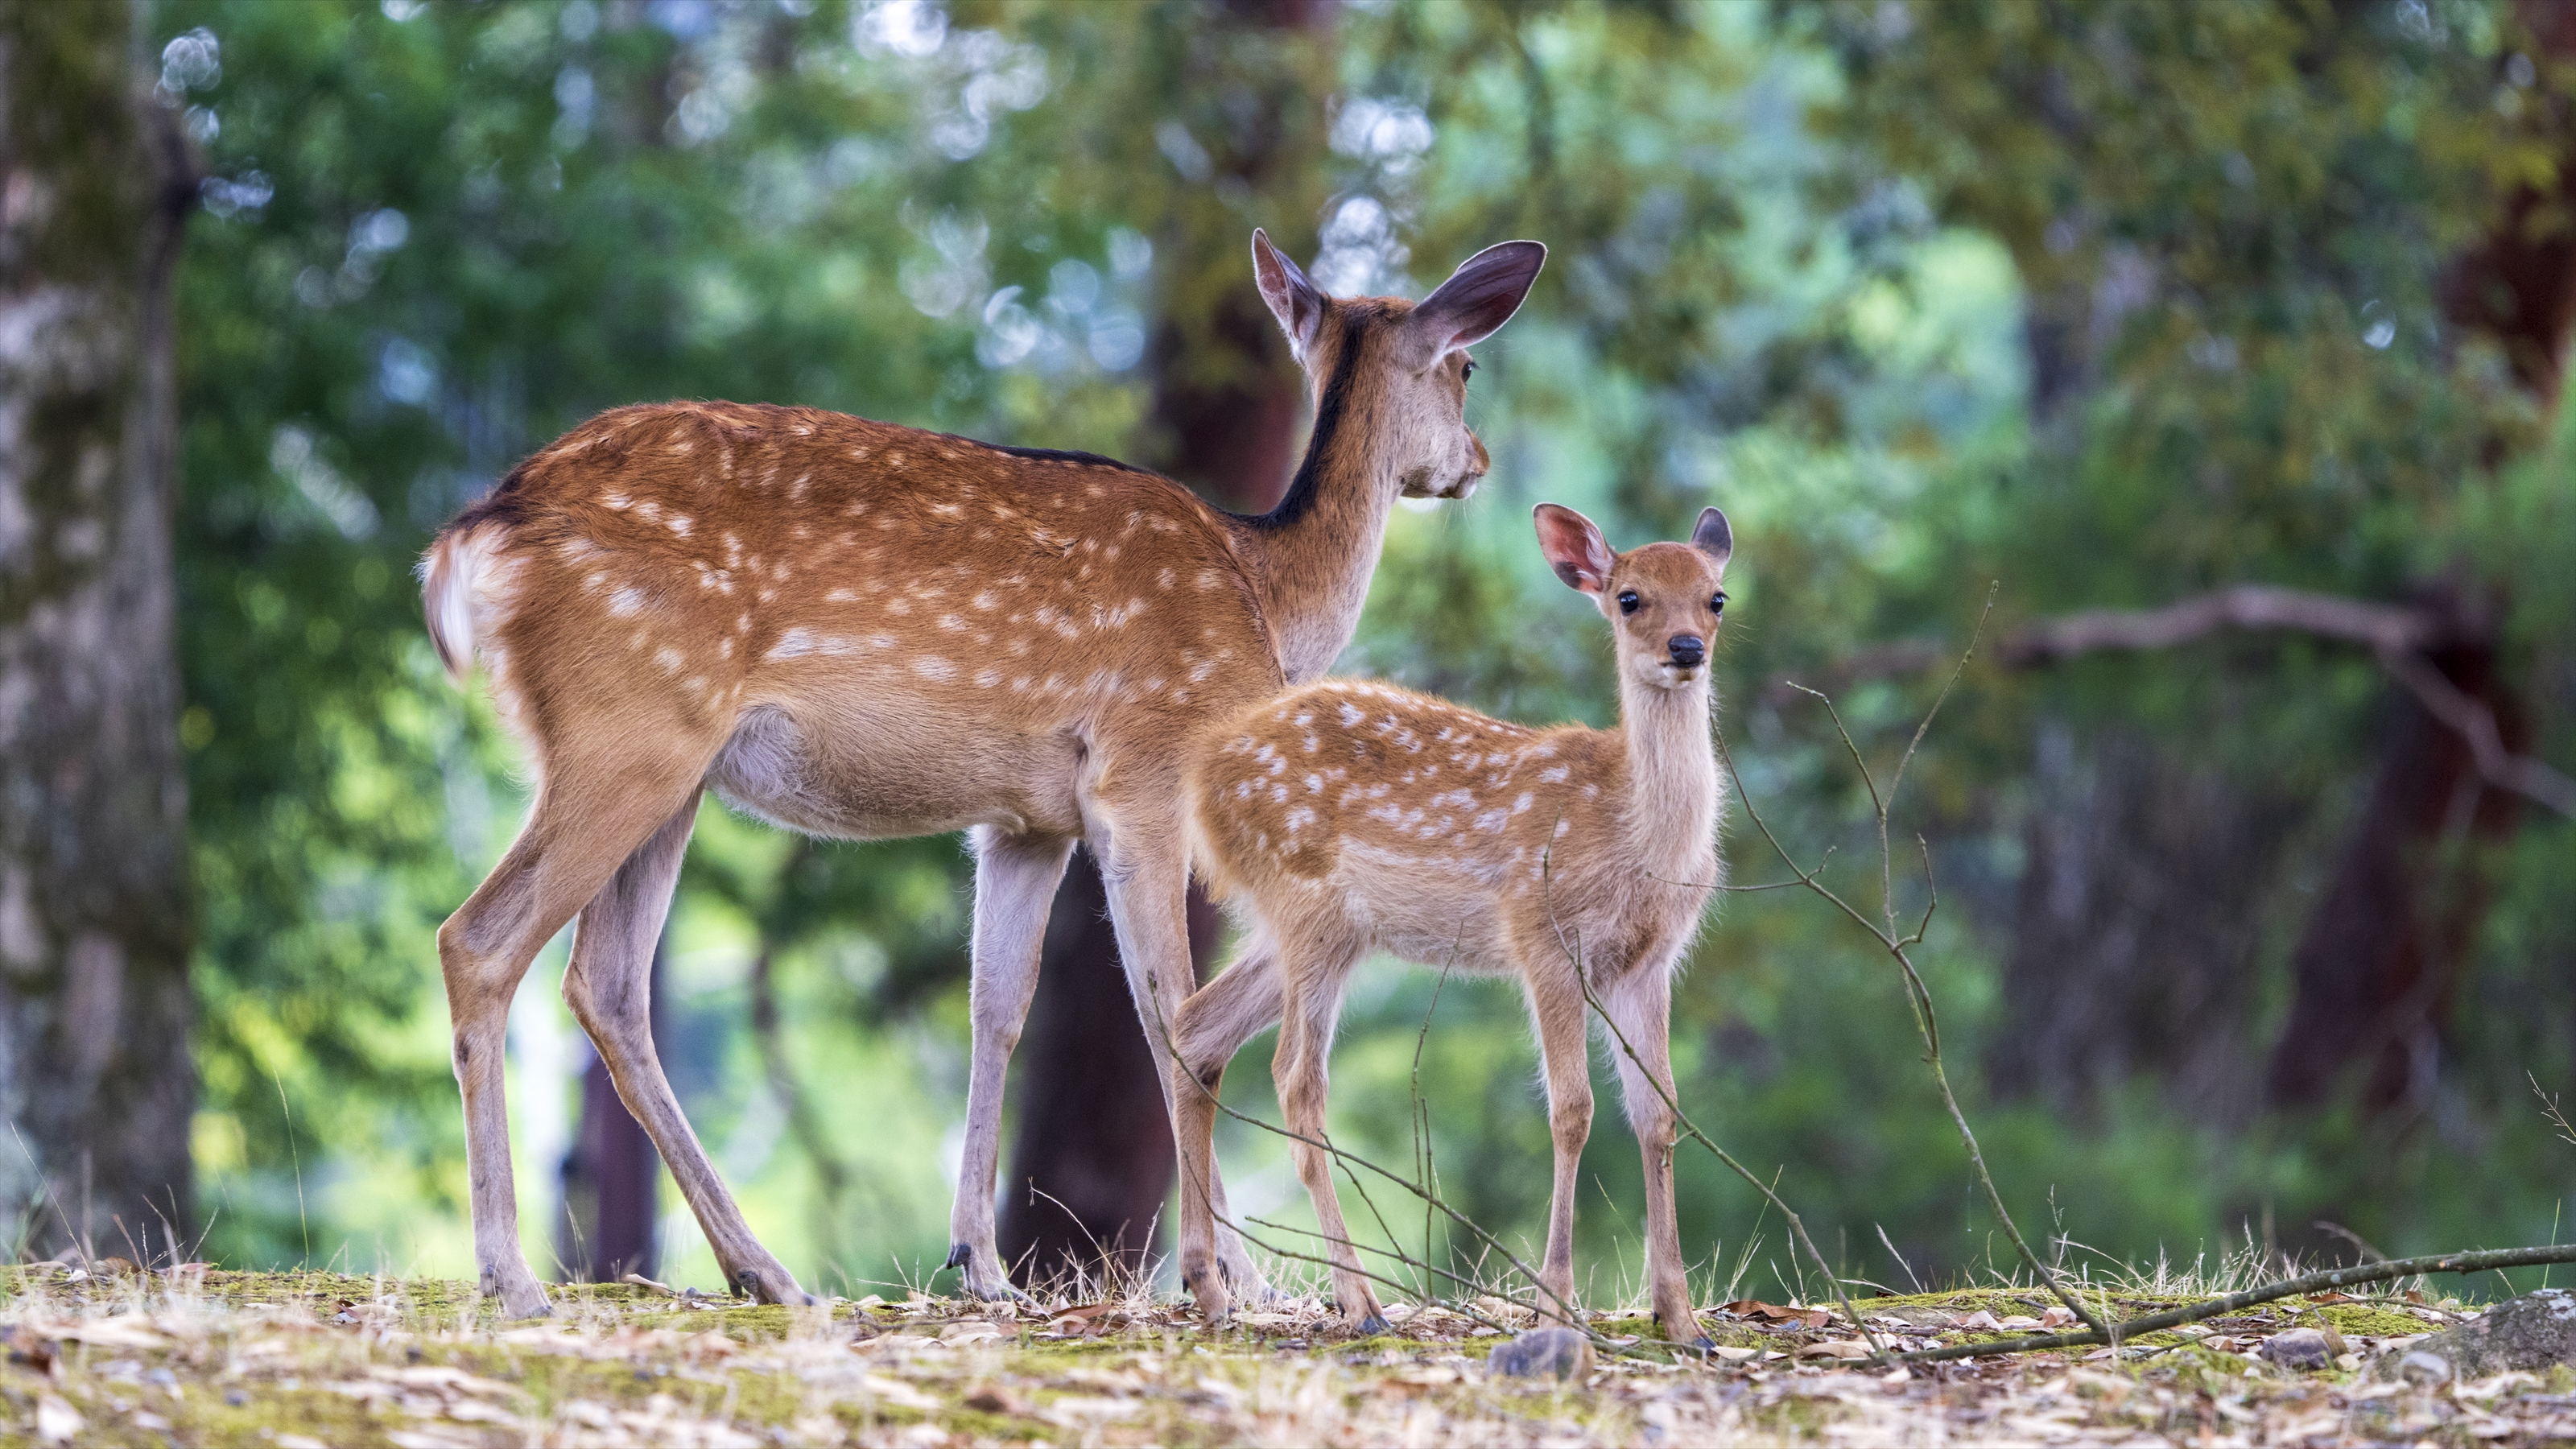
<point x="1717" y="602"/>
<point x="1627" y="601"/>
<point x="1467" y="372"/>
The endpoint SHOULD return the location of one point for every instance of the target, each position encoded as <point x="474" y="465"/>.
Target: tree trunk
<point x="95" y="928"/>
<point x="1091" y="1161"/>
<point x="612" y="1177"/>
<point x="2375" y="968"/>
<point x="2136" y="927"/>
<point x="2378" y="961"/>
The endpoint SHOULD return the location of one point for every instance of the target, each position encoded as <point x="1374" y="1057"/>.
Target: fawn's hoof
<point x="521" y="1300"/>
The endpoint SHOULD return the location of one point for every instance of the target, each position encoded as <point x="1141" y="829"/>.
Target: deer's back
<point x="897" y="631"/>
<point x="1438" y="832"/>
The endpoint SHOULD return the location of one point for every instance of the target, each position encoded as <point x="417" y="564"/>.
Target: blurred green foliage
<point x="2108" y="301"/>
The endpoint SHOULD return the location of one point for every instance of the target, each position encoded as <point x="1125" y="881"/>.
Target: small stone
<point x="2304" y="1349"/>
<point x="994" y="1399"/>
<point x="1558" y="1353"/>
<point x="2424" y="1370"/>
<point x="2530" y="1334"/>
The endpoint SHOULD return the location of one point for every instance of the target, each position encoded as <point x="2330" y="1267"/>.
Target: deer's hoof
<point x="772" y="1284"/>
<point x="983" y="1280"/>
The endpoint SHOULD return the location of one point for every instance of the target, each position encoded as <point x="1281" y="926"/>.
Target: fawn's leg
<point x="1015" y="883"/>
<point x="590" y="814"/>
<point x="1641" y="1008"/>
<point x="1145" y="870"/>
<point x="609" y="987"/>
<point x="1309" y="1014"/>
<point x="1557" y="1012"/>
<point x="1214" y="1024"/>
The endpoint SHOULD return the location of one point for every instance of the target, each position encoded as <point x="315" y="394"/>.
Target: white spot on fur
<point x="932" y="667"/>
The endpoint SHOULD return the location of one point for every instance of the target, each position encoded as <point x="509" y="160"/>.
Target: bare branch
<point x="2470" y="718"/>
<point x="2286" y="1288"/>
<point x="2241" y="606"/>
<point x="2395" y="634"/>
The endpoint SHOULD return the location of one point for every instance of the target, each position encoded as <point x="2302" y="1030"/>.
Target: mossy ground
<point x="291" y="1360"/>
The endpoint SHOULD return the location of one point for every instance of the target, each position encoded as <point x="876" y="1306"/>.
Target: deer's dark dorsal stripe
<point x="1303" y="489"/>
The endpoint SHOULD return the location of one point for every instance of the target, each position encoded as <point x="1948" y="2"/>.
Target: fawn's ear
<point x="1294" y="298"/>
<point x="1712" y="537"/>
<point x="1477" y="299"/>
<point x="1574" y="546"/>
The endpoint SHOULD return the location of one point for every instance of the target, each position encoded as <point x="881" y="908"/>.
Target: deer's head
<point x="1664" y="601"/>
<point x="1411" y="356"/>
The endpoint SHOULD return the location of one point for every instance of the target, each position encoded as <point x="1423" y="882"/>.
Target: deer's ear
<point x="1711" y="536"/>
<point x="1574" y="547"/>
<point x="1477" y="299"/>
<point x="1294" y="298"/>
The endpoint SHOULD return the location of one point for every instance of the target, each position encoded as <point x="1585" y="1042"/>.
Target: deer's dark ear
<point x="1711" y="536"/>
<point x="1477" y="299"/>
<point x="1574" y="547"/>
<point x="1294" y="298"/>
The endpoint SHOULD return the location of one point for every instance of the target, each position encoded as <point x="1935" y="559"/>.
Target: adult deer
<point x="1346" y="817"/>
<point x="866" y="631"/>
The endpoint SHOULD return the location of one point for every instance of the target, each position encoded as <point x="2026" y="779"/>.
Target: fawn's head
<point x="1411" y="355"/>
<point x="1664" y="601"/>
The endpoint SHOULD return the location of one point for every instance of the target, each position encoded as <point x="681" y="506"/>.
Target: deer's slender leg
<point x="1641" y="1007"/>
<point x="1557" y="1013"/>
<point x="1315" y="972"/>
<point x="1214" y="1024"/>
<point x="588" y="818"/>
<point x="1015" y="883"/>
<point x="609" y="987"/>
<point x="1146" y="873"/>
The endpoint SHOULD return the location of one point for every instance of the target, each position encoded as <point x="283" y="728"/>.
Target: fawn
<point x="866" y="631"/>
<point x="1345" y="817"/>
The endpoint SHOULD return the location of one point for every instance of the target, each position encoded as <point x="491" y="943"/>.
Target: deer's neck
<point x="1313" y="554"/>
<point x="1673" y="792"/>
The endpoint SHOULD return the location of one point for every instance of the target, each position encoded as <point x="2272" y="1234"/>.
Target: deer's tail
<point x="449" y="575"/>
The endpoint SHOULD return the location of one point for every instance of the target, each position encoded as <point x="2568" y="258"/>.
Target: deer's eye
<point x="1717" y="602"/>
<point x="1627" y="601"/>
<point x="1467" y="372"/>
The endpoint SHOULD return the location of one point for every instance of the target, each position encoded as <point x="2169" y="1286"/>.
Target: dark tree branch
<point x="2379" y="1272"/>
<point x="2396" y="635"/>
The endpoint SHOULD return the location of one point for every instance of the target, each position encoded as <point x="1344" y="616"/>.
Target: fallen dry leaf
<point x="57" y="1422"/>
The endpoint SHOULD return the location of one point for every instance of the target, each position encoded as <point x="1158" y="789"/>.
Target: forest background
<point x="2103" y="305"/>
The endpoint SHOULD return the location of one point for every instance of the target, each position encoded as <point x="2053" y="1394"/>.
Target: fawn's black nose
<point x="1687" y="650"/>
